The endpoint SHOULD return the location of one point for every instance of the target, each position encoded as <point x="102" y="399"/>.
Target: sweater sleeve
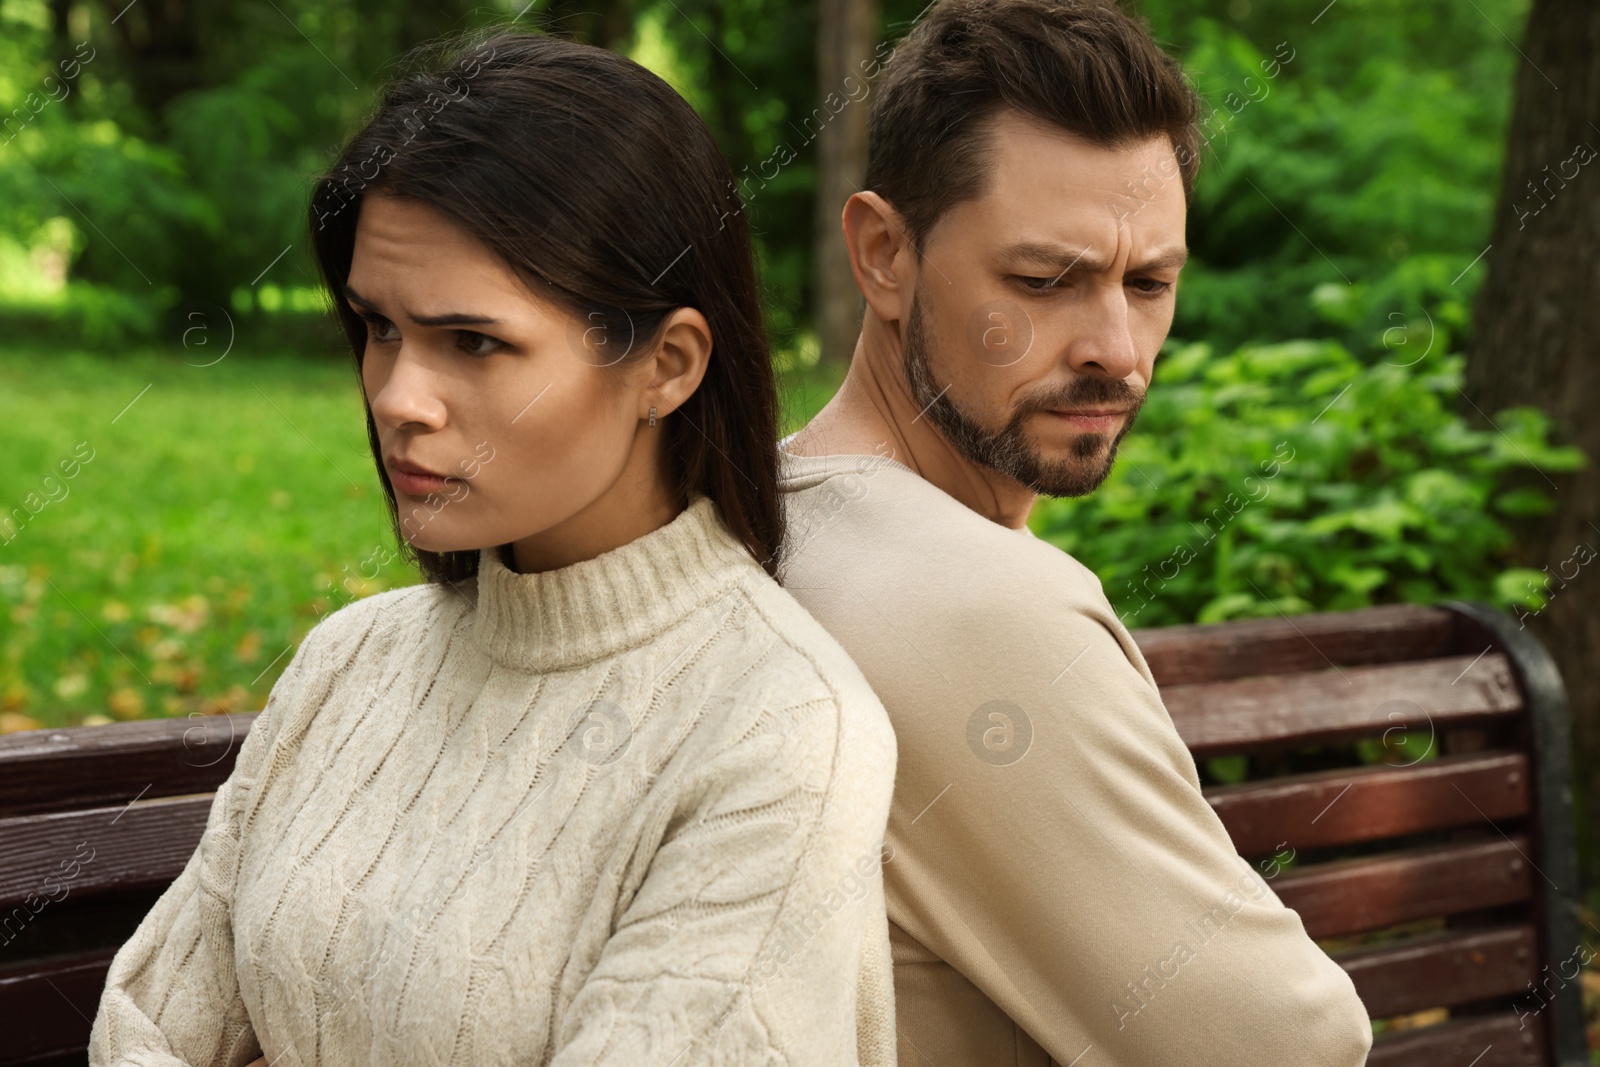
<point x="753" y="937"/>
<point x="1073" y="871"/>
<point x="172" y="996"/>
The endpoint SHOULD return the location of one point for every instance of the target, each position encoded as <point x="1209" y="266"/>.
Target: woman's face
<point x="474" y="377"/>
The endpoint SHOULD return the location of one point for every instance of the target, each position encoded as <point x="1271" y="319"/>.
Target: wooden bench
<point x="1455" y="854"/>
<point x="1453" y="857"/>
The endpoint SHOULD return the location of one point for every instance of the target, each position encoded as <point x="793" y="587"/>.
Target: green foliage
<point x="1293" y="477"/>
<point x="1371" y="158"/>
<point x="1368" y="160"/>
<point x="178" y="157"/>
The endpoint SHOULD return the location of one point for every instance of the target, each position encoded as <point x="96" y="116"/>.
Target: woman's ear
<point x="680" y="362"/>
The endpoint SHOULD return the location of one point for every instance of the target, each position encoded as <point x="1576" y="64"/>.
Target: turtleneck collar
<point x="580" y="613"/>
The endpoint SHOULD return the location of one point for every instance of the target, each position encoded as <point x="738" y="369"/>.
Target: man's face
<point x="1039" y="306"/>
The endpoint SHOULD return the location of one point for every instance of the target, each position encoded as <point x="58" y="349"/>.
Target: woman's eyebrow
<point x="449" y="319"/>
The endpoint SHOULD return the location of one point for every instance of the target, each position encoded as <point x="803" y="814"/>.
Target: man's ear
<point x="881" y="256"/>
<point x="680" y="362"/>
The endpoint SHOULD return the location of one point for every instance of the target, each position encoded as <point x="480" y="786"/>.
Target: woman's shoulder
<point x="813" y="665"/>
<point x="350" y="644"/>
<point x="785" y="718"/>
<point x="395" y="615"/>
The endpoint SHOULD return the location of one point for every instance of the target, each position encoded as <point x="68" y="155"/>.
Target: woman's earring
<point x="652" y="416"/>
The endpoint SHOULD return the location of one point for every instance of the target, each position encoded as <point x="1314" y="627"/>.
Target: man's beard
<point x="1007" y="451"/>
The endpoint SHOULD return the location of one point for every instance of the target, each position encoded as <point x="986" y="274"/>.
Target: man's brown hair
<point x="1084" y="66"/>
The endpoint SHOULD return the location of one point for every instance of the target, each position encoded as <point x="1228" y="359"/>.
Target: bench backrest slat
<point x="1497" y="1040"/>
<point x="1456" y="967"/>
<point x="89" y="766"/>
<point x="1183" y="655"/>
<point x="53" y="998"/>
<point x="1355" y="896"/>
<point x="1342" y="807"/>
<point x="1275" y="711"/>
<point x="94" y="852"/>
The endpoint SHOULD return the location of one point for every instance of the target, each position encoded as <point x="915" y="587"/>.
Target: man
<point x="1059" y="891"/>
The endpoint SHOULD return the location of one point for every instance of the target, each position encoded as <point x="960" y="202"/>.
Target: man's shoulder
<point x="859" y="519"/>
<point x="923" y="591"/>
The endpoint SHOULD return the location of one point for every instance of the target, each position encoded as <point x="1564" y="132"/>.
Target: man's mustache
<point x="1091" y="393"/>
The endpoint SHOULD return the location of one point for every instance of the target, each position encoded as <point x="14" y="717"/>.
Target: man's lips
<point x="1091" y="420"/>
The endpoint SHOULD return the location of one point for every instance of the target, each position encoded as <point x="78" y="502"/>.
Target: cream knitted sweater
<point x="625" y="812"/>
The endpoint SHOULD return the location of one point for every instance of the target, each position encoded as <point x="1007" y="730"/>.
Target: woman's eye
<point x="474" y="343"/>
<point x="380" y="329"/>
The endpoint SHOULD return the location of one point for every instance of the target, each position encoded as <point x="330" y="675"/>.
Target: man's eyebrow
<point x="1072" y="257"/>
<point x="1170" y="258"/>
<point x="451" y="319"/>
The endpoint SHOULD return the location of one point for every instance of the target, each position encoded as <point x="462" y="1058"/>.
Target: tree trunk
<point x="162" y="51"/>
<point x="846" y="34"/>
<point x="724" y="87"/>
<point x="1536" y="321"/>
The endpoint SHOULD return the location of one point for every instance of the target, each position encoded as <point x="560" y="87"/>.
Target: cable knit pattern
<point x="625" y="812"/>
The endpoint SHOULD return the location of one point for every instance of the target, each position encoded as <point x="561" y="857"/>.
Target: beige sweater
<point x="1059" y="890"/>
<point x="627" y="812"/>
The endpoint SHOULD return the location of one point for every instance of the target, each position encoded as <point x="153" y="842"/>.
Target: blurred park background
<point x="1396" y="247"/>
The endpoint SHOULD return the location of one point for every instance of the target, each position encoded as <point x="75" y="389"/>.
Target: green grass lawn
<point x="213" y="515"/>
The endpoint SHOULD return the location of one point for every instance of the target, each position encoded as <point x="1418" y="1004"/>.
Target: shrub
<point x="1293" y="477"/>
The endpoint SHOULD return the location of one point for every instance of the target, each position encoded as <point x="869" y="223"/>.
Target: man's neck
<point x="874" y="408"/>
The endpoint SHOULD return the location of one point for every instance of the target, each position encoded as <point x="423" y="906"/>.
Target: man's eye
<point x="474" y="343"/>
<point x="1040" y="284"/>
<point x="1159" y="286"/>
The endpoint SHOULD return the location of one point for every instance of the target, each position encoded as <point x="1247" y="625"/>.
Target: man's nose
<point x="1103" y="343"/>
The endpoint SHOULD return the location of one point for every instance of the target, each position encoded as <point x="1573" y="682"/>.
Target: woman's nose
<point x="406" y="393"/>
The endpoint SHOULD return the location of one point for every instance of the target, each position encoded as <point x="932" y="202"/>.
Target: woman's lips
<point x="415" y="481"/>
<point x="417" y="484"/>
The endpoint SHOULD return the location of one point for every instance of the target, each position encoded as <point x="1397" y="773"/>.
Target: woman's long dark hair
<point x="602" y="188"/>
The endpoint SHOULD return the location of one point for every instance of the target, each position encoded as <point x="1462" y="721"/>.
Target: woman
<point x="600" y="791"/>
